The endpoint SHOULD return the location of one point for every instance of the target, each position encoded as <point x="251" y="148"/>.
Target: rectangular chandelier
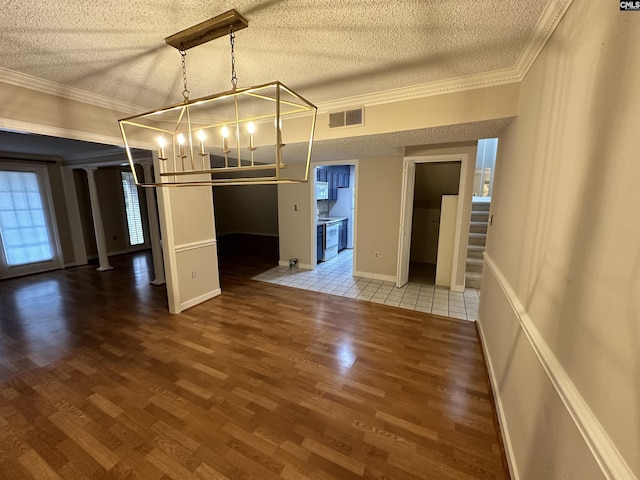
<point x="237" y="137"/>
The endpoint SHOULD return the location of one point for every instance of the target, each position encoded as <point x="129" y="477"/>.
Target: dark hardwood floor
<point x="98" y="380"/>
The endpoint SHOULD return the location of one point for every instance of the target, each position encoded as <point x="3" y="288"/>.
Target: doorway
<point x="449" y="175"/>
<point x="333" y="214"/>
<point x="433" y="180"/>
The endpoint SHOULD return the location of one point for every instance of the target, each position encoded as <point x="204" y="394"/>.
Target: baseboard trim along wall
<point x="605" y="453"/>
<point x="202" y="298"/>
<point x="376" y="276"/>
<point x="502" y="419"/>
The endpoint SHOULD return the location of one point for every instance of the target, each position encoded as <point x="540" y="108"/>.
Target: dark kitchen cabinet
<point x="343" y="180"/>
<point x="332" y="178"/>
<point x="342" y="235"/>
<point x="320" y="242"/>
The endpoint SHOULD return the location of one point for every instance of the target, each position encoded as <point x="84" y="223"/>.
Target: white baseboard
<point x="604" y="451"/>
<point x="376" y="276"/>
<point x="202" y="298"/>
<point x="502" y="420"/>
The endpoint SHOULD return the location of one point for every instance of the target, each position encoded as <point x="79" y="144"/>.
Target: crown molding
<point x="489" y="79"/>
<point x="41" y="85"/>
<point x="549" y="20"/>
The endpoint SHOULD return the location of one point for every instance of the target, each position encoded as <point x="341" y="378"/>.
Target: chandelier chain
<point x="185" y="92"/>
<point x="234" y="78"/>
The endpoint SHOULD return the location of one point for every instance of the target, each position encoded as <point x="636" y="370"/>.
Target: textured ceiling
<point x="327" y="50"/>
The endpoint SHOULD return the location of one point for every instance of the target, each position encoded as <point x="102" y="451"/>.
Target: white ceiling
<point x="326" y="50"/>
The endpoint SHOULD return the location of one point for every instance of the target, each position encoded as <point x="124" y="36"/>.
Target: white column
<point x="101" y="242"/>
<point x="154" y="227"/>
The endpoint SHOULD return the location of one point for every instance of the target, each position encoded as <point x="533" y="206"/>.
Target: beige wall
<point x="295" y="219"/>
<point x="190" y="250"/>
<point x="24" y="109"/>
<point x="378" y="194"/>
<point x="562" y="290"/>
<point x="251" y="209"/>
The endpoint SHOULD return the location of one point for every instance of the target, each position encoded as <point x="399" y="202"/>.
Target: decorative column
<point x="101" y="242"/>
<point x="154" y="227"/>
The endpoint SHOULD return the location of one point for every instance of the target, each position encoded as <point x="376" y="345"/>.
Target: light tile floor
<point x="335" y="278"/>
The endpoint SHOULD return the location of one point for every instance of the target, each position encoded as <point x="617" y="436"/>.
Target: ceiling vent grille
<point x="347" y="118"/>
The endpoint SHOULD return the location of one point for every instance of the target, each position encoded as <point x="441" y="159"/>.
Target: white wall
<point x="560" y="302"/>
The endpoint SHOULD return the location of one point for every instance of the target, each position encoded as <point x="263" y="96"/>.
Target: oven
<point x="331" y="240"/>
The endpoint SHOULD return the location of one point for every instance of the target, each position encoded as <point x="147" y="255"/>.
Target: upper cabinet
<point x="336" y="177"/>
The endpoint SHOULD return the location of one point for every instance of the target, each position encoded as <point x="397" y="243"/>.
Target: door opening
<point x="430" y="223"/>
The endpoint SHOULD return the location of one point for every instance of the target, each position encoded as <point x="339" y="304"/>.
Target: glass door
<point x="28" y="240"/>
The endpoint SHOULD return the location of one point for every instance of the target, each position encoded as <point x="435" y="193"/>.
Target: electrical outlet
<point x="376" y="255"/>
<point x="194" y="274"/>
<point x="295" y="208"/>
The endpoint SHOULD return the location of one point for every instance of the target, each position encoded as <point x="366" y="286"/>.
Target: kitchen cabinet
<point x="332" y="178"/>
<point x="320" y="242"/>
<point x="321" y="174"/>
<point x="343" y="180"/>
<point x="342" y="235"/>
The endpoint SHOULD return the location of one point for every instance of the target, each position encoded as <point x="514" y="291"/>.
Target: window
<point x="23" y="225"/>
<point x="132" y="205"/>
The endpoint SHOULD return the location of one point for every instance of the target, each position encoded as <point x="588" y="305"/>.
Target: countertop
<point x="329" y="220"/>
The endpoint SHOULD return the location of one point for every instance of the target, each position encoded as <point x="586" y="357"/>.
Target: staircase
<point x="477" y="242"/>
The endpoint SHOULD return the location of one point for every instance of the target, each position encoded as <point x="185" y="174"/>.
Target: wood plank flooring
<point x="98" y="381"/>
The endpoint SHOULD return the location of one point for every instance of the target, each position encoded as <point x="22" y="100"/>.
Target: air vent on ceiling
<point x="348" y="118"/>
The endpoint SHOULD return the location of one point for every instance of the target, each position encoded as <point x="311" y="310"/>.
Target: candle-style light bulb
<point x="161" y="143"/>
<point x="251" y="128"/>
<point x="181" y="144"/>
<point x="201" y="137"/>
<point x="225" y="141"/>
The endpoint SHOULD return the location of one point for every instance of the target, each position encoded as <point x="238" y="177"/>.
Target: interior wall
<point x="24" y="109"/>
<point x="559" y="309"/>
<point x="379" y="191"/>
<point x="249" y="209"/>
<point x="294" y="219"/>
<point x="112" y="207"/>
<point x="424" y="235"/>
<point x="60" y="209"/>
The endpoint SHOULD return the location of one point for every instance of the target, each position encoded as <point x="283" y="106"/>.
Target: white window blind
<point x="132" y="204"/>
<point x="23" y="226"/>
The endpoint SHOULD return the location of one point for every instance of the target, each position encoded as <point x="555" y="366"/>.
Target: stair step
<point x="480" y="207"/>
<point x="477" y="239"/>
<point x="473" y="267"/>
<point x="475" y="261"/>
<point x="472" y="280"/>
<point x="478" y="227"/>
<point x="475" y="254"/>
<point x="480" y="216"/>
